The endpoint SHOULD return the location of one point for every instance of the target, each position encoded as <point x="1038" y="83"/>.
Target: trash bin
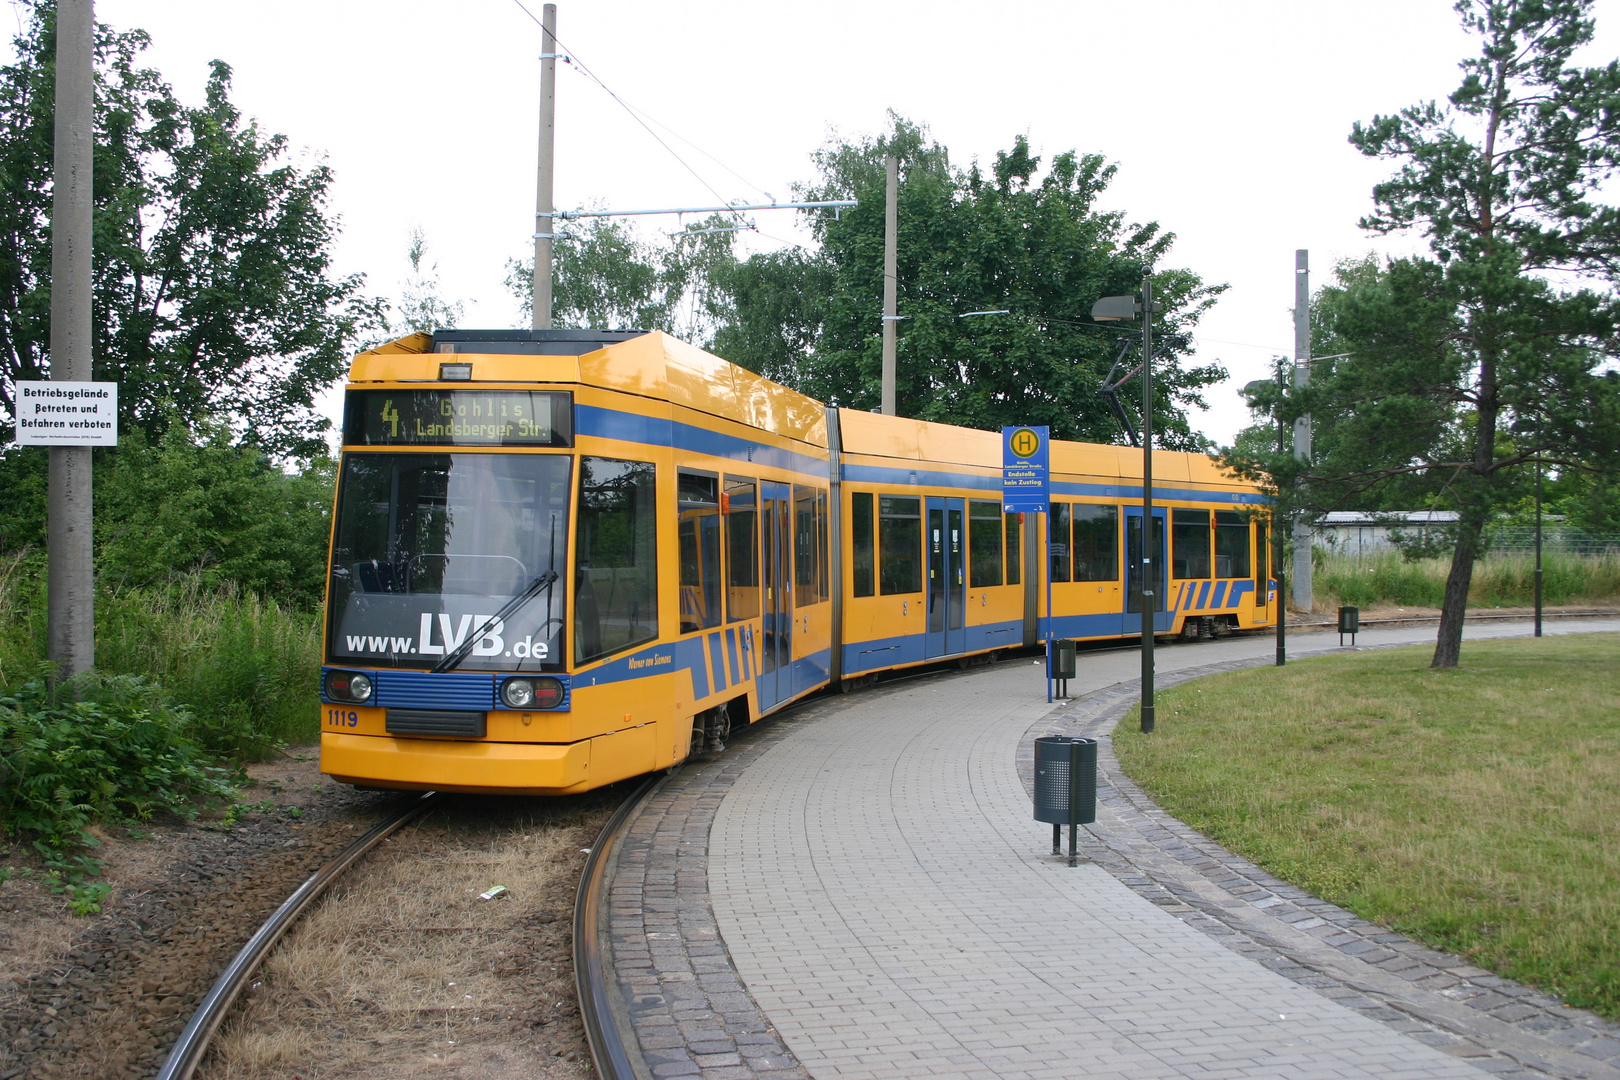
<point x="1059" y="666"/>
<point x="1062" y="660"/>
<point x="1065" y="786"/>
<point x="1349" y="623"/>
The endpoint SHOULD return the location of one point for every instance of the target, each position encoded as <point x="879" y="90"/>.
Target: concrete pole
<point x="545" y="226"/>
<point x="891" y="278"/>
<point x="70" y="611"/>
<point x="1302" y="426"/>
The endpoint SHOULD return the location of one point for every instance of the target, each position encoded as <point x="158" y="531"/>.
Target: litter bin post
<point x="1061" y="664"/>
<point x="1065" y="787"/>
<point x="1349" y="623"/>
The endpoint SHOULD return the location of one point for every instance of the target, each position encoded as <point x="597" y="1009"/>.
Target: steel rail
<point x="602" y="1033"/>
<point x="193" y="1041"/>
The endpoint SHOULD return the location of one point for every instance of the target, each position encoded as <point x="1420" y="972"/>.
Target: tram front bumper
<point x="457" y="765"/>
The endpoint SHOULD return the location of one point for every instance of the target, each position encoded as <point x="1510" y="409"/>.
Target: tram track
<point x="188" y="1050"/>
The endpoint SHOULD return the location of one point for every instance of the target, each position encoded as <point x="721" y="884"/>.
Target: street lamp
<point x="1121" y="308"/>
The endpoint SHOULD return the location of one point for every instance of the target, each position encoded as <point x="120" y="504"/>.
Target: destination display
<point x="458" y="418"/>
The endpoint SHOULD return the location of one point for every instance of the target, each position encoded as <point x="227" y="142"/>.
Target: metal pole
<point x="891" y="275"/>
<point x="1278" y="548"/>
<point x="70" y="609"/>
<point x="1303" y="597"/>
<point x="1046" y="565"/>
<point x="1147" y="499"/>
<point x="545" y="227"/>
<point x="1538" y="546"/>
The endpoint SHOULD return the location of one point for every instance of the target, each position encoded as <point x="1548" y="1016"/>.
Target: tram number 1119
<point x="342" y="718"/>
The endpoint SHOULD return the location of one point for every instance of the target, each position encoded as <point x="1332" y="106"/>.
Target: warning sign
<point x="67" y="413"/>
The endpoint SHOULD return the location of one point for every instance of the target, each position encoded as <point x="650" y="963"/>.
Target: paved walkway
<point x="858" y="891"/>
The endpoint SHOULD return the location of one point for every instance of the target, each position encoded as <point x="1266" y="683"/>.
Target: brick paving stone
<point x="858" y="891"/>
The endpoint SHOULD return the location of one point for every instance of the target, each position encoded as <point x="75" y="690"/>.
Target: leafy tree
<point x="194" y="502"/>
<point x="608" y="277"/>
<point x="213" y="287"/>
<point x="1473" y="367"/>
<point x="1018" y="239"/>
<point x="421" y="309"/>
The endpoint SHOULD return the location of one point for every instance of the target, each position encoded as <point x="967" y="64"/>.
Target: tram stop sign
<point x="1025" y="470"/>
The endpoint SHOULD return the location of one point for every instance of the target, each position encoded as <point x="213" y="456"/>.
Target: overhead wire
<point x="585" y="69"/>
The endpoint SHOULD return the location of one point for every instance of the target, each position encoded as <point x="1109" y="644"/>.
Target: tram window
<point x="806" y="559"/>
<point x="824" y="573"/>
<point x="1014" y="530"/>
<point x="1189" y="544"/>
<point x="860" y="517"/>
<point x="699" y="532"/>
<point x="1057" y="542"/>
<point x="616" y="558"/>
<point x="1096" y="543"/>
<point x="1231" y="544"/>
<point x="742" y="550"/>
<point x="899" y="545"/>
<point x="984" y="542"/>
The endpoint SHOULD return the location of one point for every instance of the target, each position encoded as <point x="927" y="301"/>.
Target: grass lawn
<point x="1476" y="810"/>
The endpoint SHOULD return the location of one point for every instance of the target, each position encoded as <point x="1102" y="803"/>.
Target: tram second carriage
<point x="564" y="558"/>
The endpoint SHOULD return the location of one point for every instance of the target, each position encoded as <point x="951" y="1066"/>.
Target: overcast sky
<point x="1227" y="118"/>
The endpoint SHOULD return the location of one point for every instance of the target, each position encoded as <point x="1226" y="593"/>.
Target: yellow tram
<point x="562" y="558"/>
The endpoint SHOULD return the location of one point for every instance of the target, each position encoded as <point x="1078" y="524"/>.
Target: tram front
<point x="448" y="593"/>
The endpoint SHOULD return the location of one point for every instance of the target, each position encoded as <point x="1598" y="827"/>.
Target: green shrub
<point x="98" y="746"/>
<point x="247" y="669"/>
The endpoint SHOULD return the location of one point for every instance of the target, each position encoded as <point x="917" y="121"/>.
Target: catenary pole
<point x="1303" y="598"/>
<point x="70" y="611"/>
<point x="1278" y="551"/>
<point x="545" y="230"/>
<point x="1148" y="547"/>
<point x="891" y="274"/>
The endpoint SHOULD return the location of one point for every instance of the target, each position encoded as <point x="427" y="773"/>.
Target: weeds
<point x="98" y="746"/>
<point x="246" y="668"/>
<point x="1498" y="581"/>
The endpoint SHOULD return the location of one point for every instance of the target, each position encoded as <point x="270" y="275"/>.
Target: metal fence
<point x="1555" y="540"/>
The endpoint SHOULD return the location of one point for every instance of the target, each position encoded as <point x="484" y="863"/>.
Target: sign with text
<point x="1025" y="470"/>
<point x="67" y="413"/>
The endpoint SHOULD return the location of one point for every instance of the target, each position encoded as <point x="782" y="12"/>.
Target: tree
<point x="1473" y="367"/>
<point x="608" y="277"/>
<point x="213" y="285"/>
<point x="421" y="309"/>
<point x="1018" y="239"/>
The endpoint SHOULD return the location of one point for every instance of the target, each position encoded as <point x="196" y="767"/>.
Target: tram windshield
<point x="429" y="548"/>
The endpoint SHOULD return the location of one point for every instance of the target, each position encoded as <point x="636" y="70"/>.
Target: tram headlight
<point x="518" y="693"/>
<point x="348" y="686"/>
<point x="528" y="693"/>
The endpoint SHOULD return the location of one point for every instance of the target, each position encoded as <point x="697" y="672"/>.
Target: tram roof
<point x="645" y="363"/>
<point x="654" y="365"/>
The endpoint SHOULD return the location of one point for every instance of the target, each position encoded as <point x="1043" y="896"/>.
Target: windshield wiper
<point x="462" y="651"/>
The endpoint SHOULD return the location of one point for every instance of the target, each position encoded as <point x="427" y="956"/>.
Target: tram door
<point x="947" y="578"/>
<point x="775" y="681"/>
<point x="1133" y="574"/>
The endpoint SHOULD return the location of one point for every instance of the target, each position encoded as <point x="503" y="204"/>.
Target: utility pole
<point x="70" y="612"/>
<point x="545" y="231"/>
<point x="1149" y="549"/>
<point x="891" y="275"/>
<point x="1302" y="426"/>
